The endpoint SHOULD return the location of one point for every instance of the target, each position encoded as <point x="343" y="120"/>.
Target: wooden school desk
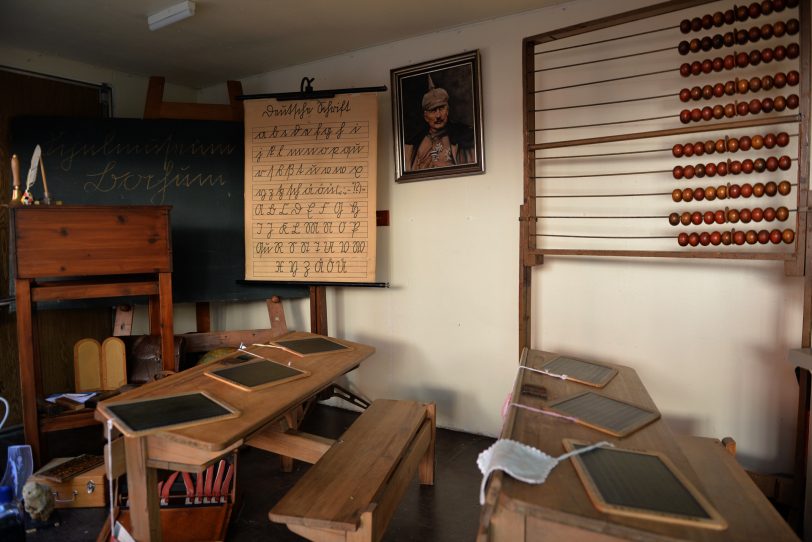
<point x="560" y="509"/>
<point x="193" y="448"/>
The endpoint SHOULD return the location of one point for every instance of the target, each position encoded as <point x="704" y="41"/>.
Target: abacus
<point x="670" y="131"/>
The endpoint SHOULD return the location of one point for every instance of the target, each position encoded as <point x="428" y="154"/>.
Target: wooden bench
<point x="352" y="492"/>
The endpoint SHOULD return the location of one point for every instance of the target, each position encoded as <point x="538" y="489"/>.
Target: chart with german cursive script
<point x="310" y="188"/>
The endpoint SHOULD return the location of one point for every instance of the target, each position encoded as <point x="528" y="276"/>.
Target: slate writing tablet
<point x="643" y="485"/>
<point x="255" y="375"/>
<point x="603" y="413"/>
<point x="585" y="372"/>
<point x="143" y="416"/>
<point x="315" y="345"/>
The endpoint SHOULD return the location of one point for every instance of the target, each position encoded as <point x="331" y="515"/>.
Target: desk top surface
<point x="562" y="498"/>
<point x="257" y="408"/>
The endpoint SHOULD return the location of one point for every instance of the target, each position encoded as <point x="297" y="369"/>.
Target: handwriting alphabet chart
<point x="310" y="188"/>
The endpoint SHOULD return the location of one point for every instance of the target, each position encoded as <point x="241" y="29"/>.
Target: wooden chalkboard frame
<point x="645" y="415"/>
<point x="568" y="367"/>
<point x="123" y="423"/>
<point x="294" y="346"/>
<point x="220" y="373"/>
<point x="597" y="488"/>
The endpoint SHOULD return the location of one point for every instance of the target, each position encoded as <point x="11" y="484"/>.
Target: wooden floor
<point x="446" y="512"/>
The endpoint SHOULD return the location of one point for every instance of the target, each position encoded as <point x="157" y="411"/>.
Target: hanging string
<point x="605" y="41"/>
<point x="607" y="80"/>
<point x="606" y="103"/>
<point x="608" y="59"/>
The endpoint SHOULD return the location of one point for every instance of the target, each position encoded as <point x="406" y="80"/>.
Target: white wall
<point x="709" y="339"/>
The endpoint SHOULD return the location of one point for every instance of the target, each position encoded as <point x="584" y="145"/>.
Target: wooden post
<point x="142" y="491"/>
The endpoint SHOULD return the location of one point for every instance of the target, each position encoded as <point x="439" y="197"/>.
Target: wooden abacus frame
<point x="795" y="262"/>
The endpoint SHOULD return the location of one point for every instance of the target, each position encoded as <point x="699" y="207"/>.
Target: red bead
<point x="708" y="217"/>
<point x="769" y="214"/>
<point x="699" y="193"/>
<point x="685" y="116"/>
<point x="769" y="140"/>
<point x="793" y="78"/>
<point x="772" y="163"/>
<point x="682" y="239"/>
<point x="696" y="114"/>
<point x="689" y="172"/>
<point x="742" y="109"/>
<point x="676" y="150"/>
<point x="746" y="190"/>
<point x="719" y="216"/>
<point x="763" y="237"/>
<point x="775" y="237"/>
<point x="685" y="69"/>
<point x="684" y="95"/>
<point x="738" y="237"/>
<point x="754" y="106"/>
<point x="757" y="214"/>
<point x="735" y="167"/>
<point x="767" y="104"/>
<point x="678" y="172"/>
<point x="742" y="60"/>
<point x="782" y="139"/>
<point x="715" y="238"/>
<point x="693" y="239"/>
<point x="710" y="169"/>
<point x="721" y="169"/>
<point x="696" y="218"/>
<point x="779" y="103"/>
<point x="747" y="166"/>
<point x="745" y="215"/>
<point x="734" y="191"/>
<point x="784" y="163"/>
<point x="704" y="238"/>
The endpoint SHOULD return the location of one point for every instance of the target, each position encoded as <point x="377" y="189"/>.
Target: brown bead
<point x="734" y="191"/>
<point x="784" y="163"/>
<point x="707" y="92"/>
<point x="678" y="172"/>
<point x="718" y="111"/>
<point x="721" y="191"/>
<point x="683" y="48"/>
<point x="732" y="216"/>
<point x="676" y="150"/>
<point x="699" y="148"/>
<point x="682" y="239"/>
<point x="771" y="188"/>
<point x="709" y="146"/>
<point x="754" y="106"/>
<point x="766" y="31"/>
<point x="687" y="194"/>
<point x="704" y="238"/>
<point x="718" y="88"/>
<point x="782" y="213"/>
<point x="685" y="26"/>
<point x="729" y="63"/>
<point x="707" y="114"/>
<point x="769" y="140"/>
<point x="788" y="236"/>
<point x="673" y="219"/>
<point x="757" y="141"/>
<point x="767" y="82"/>
<point x="726" y="237"/>
<point x="747" y="166"/>
<point x="685" y="69"/>
<point x="696" y="114"/>
<point x="763" y="237"/>
<point x="742" y="13"/>
<point x="754" y="10"/>
<point x="738" y="237"/>
<point x="721" y="169"/>
<point x="707" y="66"/>
<point x="685" y="218"/>
<point x="758" y="190"/>
<point x="782" y="139"/>
<point x="745" y="142"/>
<point x="755" y="57"/>
<point x="732" y="144"/>
<point x="721" y="146"/>
<point x="759" y="165"/>
<point x="766" y="55"/>
<point x="689" y="172"/>
<point x="779" y="29"/>
<point x="730" y="87"/>
<point x="742" y="109"/>
<point x="730" y="110"/>
<point x="780" y="103"/>
<point x="707" y="19"/>
<point x="745" y="216"/>
<point x="742" y="60"/>
<point x="766" y="7"/>
<point x="767" y="104"/>
<point x="779" y="53"/>
<point x="699" y="192"/>
<point x="780" y="80"/>
<point x="688" y="150"/>
<point x="699" y="170"/>
<point x="710" y="193"/>
<point x="793" y="101"/>
<point x="676" y="195"/>
<point x="684" y="95"/>
<point x="742" y="86"/>
<point x="793" y="49"/>
<point x="754" y="34"/>
<point x="793" y="78"/>
<point x="772" y="163"/>
<point x="769" y="214"/>
<point x="735" y="168"/>
<point x="751" y="237"/>
<point x="685" y="116"/>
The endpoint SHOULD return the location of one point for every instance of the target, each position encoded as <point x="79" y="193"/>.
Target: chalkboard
<point x="255" y="375"/>
<point x="585" y="372"/>
<point x="316" y="345"/>
<point x="603" y="413"/>
<point x="143" y="416"/>
<point x="641" y="484"/>
<point x="194" y="166"/>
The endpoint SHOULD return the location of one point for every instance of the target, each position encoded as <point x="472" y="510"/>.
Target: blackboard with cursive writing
<point x="194" y="166"/>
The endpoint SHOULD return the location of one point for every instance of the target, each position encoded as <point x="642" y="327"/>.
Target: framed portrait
<point x="437" y="110"/>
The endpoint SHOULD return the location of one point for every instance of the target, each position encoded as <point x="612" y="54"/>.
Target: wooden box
<point x="85" y="490"/>
<point x="91" y="240"/>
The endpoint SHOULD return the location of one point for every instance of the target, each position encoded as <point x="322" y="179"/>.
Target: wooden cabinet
<point x="75" y="252"/>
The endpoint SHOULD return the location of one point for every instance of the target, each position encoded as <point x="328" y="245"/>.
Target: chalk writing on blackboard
<point x="310" y="188"/>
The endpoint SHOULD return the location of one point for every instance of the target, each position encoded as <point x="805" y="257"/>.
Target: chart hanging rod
<point x="306" y="92"/>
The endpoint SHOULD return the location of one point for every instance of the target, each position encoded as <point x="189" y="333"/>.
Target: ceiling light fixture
<point x="170" y="15"/>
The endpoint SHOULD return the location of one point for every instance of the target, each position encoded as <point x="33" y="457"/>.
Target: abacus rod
<point x="633" y="194"/>
<point x="572" y="236"/>
<point x="604" y="41"/>
<point x="666" y="132"/>
<point x="608" y="59"/>
<point x="665" y="254"/>
<point x="606" y="103"/>
<point x="594" y="124"/>
<point x="601" y="174"/>
<point x="606" y="80"/>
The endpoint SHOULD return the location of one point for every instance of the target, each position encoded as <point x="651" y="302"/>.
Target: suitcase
<point x="85" y="490"/>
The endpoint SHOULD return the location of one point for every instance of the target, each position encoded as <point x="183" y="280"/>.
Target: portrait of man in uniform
<point x="438" y="121"/>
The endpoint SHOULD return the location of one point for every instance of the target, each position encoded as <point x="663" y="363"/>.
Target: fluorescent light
<point x="170" y="15"/>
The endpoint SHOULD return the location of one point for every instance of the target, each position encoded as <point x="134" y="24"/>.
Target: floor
<point x="446" y="512"/>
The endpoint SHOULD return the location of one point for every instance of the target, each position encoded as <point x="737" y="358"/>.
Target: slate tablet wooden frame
<point x="125" y="422"/>
<point x="654" y="469"/>
<point x="574" y="369"/>
<point x="597" y="413"/>
<point x="230" y="374"/>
